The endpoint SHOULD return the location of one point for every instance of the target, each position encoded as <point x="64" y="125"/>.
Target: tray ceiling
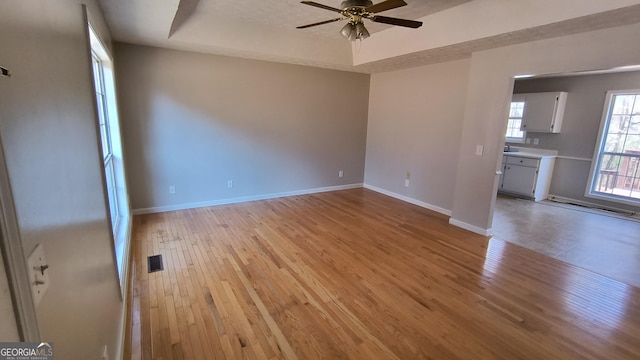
<point x="250" y="28"/>
<point x="266" y="30"/>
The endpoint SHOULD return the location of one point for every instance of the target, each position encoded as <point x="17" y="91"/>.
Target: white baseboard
<point x="562" y="199"/>
<point x="159" y="209"/>
<point x="472" y="228"/>
<point x="452" y="221"/>
<point x="409" y="200"/>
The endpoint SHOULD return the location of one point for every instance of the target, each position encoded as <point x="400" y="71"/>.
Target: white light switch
<point x="38" y="274"/>
<point x="479" y="150"/>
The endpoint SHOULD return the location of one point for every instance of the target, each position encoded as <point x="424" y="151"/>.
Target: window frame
<point x="510" y="139"/>
<point x="103" y="110"/>
<point x="599" y="151"/>
<point x="105" y="139"/>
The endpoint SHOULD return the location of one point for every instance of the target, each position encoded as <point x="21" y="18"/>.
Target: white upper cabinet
<point x="543" y="112"/>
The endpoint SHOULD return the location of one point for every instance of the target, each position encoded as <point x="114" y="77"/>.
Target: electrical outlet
<point x="229" y="184"/>
<point x="479" y="150"/>
<point x="340" y="173"/>
<point x="172" y="189"/>
<point x="536" y="141"/>
<point x="406" y="182"/>
<point x="528" y="140"/>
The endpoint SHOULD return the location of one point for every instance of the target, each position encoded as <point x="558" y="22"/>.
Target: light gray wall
<point x="580" y="127"/>
<point x="415" y="124"/>
<point x="488" y="95"/>
<point x="195" y="121"/>
<point x="48" y="127"/>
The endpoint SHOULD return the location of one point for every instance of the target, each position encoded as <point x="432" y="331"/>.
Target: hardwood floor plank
<point x="174" y="332"/>
<point x="357" y="275"/>
<point x="156" y="341"/>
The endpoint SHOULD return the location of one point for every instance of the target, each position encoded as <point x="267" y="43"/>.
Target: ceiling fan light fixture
<point x="347" y="30"/>
<point x="361" y="31"/>
<point x="354" y="34"/>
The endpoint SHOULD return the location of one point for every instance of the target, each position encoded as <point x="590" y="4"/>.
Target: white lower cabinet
<point x="527" y="177"/>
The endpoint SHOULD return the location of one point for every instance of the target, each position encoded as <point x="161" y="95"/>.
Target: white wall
<point x="490" y="86"/>
<point x="48" y="127"/>
<point x="196" y="121"/>
<point x="415" y="125"/>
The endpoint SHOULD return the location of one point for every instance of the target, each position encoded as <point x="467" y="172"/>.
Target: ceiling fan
<point x="356" y="10"/>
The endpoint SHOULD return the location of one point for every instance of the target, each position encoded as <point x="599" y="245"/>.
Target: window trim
<point x="599" y="150"/>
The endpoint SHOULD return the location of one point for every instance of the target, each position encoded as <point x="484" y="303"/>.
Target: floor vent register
<point x="155" y="263"/>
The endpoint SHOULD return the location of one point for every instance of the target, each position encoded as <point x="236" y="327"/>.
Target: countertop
<point x="531" y="153"/>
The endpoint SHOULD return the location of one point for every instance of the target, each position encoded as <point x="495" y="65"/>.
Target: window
<point x="105" y="135"/>
<point x="615" y="172"/>
<point x="514" y="134"/>
<point x="112" y="155"/>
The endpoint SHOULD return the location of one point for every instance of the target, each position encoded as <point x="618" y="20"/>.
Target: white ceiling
<point x="266" y="30"/>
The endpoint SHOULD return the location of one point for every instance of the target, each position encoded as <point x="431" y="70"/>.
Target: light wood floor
<point x="358" y="275"/>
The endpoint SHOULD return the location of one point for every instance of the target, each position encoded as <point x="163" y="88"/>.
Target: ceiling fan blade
<point x="321" y="6"/>
<point x="394" y="21"/>
<point x="320" y="23"/>
<point x="385" y="5"/>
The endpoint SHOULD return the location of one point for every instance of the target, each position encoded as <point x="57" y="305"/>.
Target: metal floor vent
<point x="155" y="263"/>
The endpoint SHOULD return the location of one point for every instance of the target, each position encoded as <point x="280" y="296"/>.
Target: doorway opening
<point x="569" y="223"/>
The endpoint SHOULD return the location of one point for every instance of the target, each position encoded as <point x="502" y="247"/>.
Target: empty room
<point x="417" y="179"/>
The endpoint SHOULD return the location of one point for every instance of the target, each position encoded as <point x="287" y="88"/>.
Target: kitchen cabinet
<point x="527" y="177"/>
<point x="543" y="112"/>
